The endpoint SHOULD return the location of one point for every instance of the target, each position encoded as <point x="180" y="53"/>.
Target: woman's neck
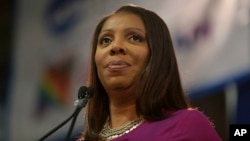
<point x="122" y="106"/>
<point x="122" y="114"/>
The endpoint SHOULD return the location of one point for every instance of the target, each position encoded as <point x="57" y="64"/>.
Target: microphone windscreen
<point x="90" y="91"/>
<point x="82" y="91"/>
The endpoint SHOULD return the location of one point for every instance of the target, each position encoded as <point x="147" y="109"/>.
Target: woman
<point x="138" y="92"/>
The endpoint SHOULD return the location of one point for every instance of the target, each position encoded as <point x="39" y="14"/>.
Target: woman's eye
<point x="105" y="41"/>
<point x="136" y="38"/>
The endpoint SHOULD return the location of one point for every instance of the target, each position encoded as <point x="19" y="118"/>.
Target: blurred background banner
<point x="51" y="53"/>
<point x="212" y="42"/>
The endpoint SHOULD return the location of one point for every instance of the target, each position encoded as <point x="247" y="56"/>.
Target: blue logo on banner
<point x="188" y="40"/>
<point x="62" y="15"/>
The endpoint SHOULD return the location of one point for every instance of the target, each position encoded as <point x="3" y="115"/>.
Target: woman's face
<point x="122" y="51"/>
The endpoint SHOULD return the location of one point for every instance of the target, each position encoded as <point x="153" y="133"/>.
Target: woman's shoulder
<point x="182" y="119"/>
<point x="190" y="112"/>
<point x="190" y="116"/>
<point x="185" y="113"/>
<point x="185" y="124"/>
<point x="195" y="125"/>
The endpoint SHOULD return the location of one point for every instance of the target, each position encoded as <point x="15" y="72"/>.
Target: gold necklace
<point x="107" y="133"/>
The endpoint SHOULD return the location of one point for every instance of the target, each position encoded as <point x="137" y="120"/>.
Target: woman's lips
<point x="116" y="65"/>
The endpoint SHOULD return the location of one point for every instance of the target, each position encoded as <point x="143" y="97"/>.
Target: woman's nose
<point x="118" y="48"/>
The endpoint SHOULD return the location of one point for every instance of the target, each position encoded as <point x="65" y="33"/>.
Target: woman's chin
<point x="119" y="85"/>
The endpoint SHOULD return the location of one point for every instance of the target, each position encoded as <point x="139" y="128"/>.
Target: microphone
<point x="84" y="93"/>
<point x="83" y="96"/>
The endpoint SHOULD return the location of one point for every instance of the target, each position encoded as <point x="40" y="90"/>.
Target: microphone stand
<point x="83" y="95"/>
<point x="81" y="102"/>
